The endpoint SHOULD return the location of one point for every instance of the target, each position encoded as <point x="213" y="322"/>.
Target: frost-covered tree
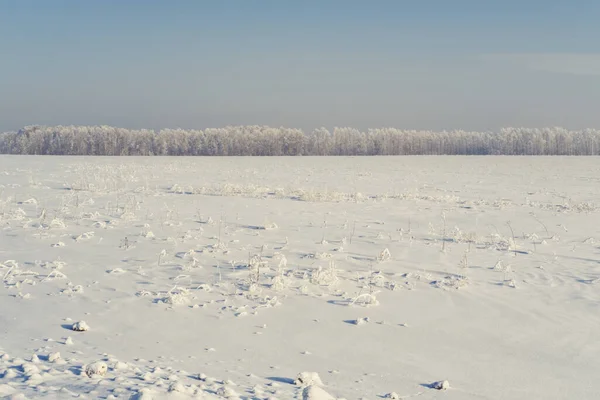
<point x="254" y="140"/>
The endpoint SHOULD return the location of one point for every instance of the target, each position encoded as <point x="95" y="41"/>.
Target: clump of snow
<point x="177" y="296"/>
<point x="315" y="393"/>
<point x="30" y="369"/>
<point x="511" y="283"/>
<point x="441" y="385"/>
<point x="72" y="290"/>
<point x="322" y="256"/>
<point x="54" y="274"/>
<point x="270" y="226"/>
<point x="308" y="379"/>
<point x="80" y="326"/>
<point x="227" y="392"/>
<point x="116" y="271"/>
<point x="147" y="234"/>
<point x="452" y="282"/>
<point x="365" y="299"/>
<point x="219" y="246"/>
<point x="143" y="394"/>
<point x="6" y="390"/>
<point x="361" y="321"/>
<point x="392" y="395"/>
<point x="177" y="387"/>
<point x="9" y="374"/>
<point x="84" y="236"/>
<point x="97" y="368"/>
<point x="57" y="223"/>
<point x="119" y="365"/>
<point x="54" y="357"/>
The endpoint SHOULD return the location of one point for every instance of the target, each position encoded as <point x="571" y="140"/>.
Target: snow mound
<point x="315" y="393"/>
<point x="143" y="394"/>
<point x="80" y="326"/>
<point x="96" y="368"/>
<point x="6" y="390"/>
<point x="361" y="321"/>
<point x="176" y="299"/>
<point x="441" y="385"/>
<point x="227" y="392"/>
<point x="54" y="357"/>
<point x="308" y="379"/>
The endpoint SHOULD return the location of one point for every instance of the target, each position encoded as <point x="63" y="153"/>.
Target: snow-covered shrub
<point x="384" y="255"/>
<point x="255" y="264"/>
<point x="325" y="277"/>
<point x="377" y="279"/>
<point x="54" y="274"/>
<point x="177" y="296"/>
<point x="279" y="282"/>
<point x="365" y="299"/>
<point x="57" y="223"/>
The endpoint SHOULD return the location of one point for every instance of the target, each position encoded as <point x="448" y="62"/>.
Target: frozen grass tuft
<point x="384" y="256"/>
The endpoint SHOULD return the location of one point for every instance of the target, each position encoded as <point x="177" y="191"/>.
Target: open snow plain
<point x="228" y="277"/>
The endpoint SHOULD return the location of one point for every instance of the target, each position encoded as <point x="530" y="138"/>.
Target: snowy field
<point x="228" y="277"/>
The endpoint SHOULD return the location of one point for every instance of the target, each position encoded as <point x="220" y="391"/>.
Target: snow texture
<point x="483" y="255"/>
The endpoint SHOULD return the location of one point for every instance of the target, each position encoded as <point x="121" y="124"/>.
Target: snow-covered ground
<point x="216" y="277"/>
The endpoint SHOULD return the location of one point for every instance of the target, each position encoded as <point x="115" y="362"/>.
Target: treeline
<point x="267" y="141"/>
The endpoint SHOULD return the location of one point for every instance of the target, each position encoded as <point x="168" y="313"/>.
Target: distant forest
<point x="268" y="141"/>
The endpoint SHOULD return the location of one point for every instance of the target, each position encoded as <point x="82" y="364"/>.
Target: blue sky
<point x="193" y="64"/>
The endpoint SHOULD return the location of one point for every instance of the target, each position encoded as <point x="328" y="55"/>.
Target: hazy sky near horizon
<point x="461" y="64"/>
